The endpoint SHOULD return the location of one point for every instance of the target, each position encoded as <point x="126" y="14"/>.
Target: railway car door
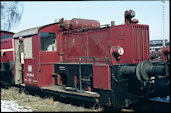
<point x="47" y="56"/>
<point x="19" y="58"/>
<point x="30" y="67"/>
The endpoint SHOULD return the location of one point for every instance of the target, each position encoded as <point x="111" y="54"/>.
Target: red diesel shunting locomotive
<point x="7" y="56"/>
<point x="81" y="59"/>
<point x="7" y="46"/>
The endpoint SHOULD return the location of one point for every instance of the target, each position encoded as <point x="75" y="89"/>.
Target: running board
<point x="64" y="92"/>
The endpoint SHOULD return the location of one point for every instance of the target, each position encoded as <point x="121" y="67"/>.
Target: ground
<point x="13" y="101"/>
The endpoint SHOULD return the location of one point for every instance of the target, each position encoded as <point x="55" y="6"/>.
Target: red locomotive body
<point x="99" y="43"/>
<point x="7" y="56"/>
<point x="110" y="65"/>
<point x="7" y="46"/>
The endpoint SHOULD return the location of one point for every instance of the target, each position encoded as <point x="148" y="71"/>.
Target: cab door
<point x="19" y="61"/>
<point x="30" y="63"/>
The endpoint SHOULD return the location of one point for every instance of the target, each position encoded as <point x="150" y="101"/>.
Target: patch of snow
<point x="12" y="106"/>
<point x="166" y="100"/>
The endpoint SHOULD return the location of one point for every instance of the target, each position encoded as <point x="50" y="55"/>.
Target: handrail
<point x="86" y="28"/>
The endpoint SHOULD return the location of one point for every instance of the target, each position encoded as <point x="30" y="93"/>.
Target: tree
<point x="11" y="13"/>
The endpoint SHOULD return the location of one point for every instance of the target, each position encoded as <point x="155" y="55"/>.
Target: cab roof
<point x="31" y="31"/>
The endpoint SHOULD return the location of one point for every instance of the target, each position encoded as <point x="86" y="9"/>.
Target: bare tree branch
<point x="11" y="13"/>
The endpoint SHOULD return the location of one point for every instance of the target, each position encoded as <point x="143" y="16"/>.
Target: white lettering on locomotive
<point x="61" y="67"/>
<point x="35" y="81"/>
<point x="29" y="68"/>
<point x="30" y="74"/>
<point x="29" y="80"/>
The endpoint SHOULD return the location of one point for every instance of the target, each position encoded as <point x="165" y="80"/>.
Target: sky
<point x="147" y="12"/>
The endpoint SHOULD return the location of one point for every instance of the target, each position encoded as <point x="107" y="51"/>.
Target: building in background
<point x="156" y="48"/>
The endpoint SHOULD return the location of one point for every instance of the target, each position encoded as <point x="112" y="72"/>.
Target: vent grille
<point x="141" y="43"/>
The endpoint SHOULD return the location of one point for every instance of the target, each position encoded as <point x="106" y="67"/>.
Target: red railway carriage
<point x="7" y="46"/>
<point x="81" y="59"/>
<point x="7" y="56"/>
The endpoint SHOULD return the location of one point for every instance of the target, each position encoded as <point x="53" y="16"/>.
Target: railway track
<point x="151" y="106"/>
<point x="145" y="106"/>
<point x="142" y="106"/>
<point x="39" y="101"/>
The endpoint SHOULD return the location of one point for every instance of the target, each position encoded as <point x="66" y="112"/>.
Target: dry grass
<point x="22" y="95"/>
<point x="127" y="110"/>
<point x="38" y="104"/>
<point x="49" y="101"/>
<point x="9" y="94"/>
<point x="34" y="99"/>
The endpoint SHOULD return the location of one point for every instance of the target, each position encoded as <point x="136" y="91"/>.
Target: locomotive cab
<point x="39" y="47"/>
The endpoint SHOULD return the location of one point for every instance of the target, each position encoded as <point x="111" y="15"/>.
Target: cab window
<point x="47" y="41"/>
<point x="6" y="36"/>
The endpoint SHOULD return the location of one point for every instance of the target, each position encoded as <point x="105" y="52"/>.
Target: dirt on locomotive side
<point x="40" y="104"/>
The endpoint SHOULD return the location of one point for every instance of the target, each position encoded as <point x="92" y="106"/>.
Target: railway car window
<point x="47" y="41"/>
<point x="21" y="49"/>
<point x="5" y="36"/>
<point x="27" y="48"/>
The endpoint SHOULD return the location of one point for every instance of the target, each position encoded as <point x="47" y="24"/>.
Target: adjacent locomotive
<point x="82" y="59"/>
<point x="7" y="57"/>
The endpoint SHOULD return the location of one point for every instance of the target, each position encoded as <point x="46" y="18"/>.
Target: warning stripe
<point x="7" y="50"/>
